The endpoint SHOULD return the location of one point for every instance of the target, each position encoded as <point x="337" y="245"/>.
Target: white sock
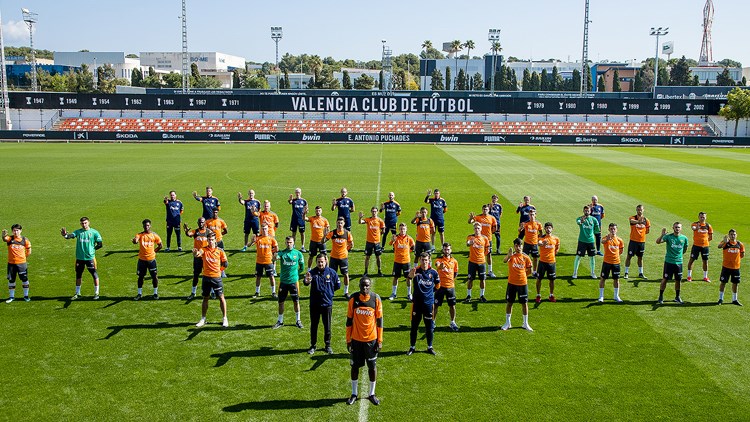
<point x="273" y="289"/>
<point x="490" y="268"/>
<point x="372" y="387"/>
<point x="601" y="292"/>
<point x="507" y="319"/>
<point x="408" y="290"/>
<point x="257" y="289"/>
<point x="734" y="297"/>
<point x="281" y="318"/>
<point x="195" y="289"/>
<point x="346" y="289"/>
<point x="705" y="274"/>
<point x="393" y="290"/>
<point x="627" y="269"/>
<point x="12" y="293"/>
<point x="96" y="290"/>
<point x="721" y="295"/>
<point x="140" y="291"/>
<point x="156" y="290"/>
<point x="525" y="320"/>
<point x="297" y="315"/>
<point x="468" y="292"/>
<point x="25" y="291"/>
<point x="617" y="292"/>
<point x="355" y="388"/>
<point x="690" y="273"/>
<point x="481" y="292"/>
<point x="78" y="290"/>
<point x="640" y="270"/>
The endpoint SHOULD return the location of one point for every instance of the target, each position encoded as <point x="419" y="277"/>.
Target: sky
<point x="541" y="29"/>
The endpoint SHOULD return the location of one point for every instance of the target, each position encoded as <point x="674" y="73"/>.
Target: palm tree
<point x="468" y="45"/>
<point x="426" y="46"/>
<point x="495" y="48"/>
<point x="455" y="48"/>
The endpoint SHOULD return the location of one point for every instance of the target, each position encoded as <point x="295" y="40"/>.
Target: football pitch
<point x="118" y="359"/>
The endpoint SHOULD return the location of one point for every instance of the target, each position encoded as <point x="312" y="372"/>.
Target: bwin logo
<point x="450" y="138"/>
<point x="310" y="137"/>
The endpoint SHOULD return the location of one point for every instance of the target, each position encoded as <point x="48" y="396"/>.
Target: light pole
<point x="276" y="34"/>
<point x="494" y="38"/>
<point x="657" y="32"/>
<point x="31" y="18"/>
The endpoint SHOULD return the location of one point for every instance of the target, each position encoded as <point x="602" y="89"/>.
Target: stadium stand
<point x="105" y="124"/>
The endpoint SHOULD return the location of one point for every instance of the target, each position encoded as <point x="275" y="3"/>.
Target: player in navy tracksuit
<point x="425" y="281"/>
<point x="438" y="207"/>
<point x="323" y="282"/>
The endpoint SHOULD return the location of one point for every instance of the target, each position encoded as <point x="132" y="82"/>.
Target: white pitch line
<point x="380" y="174"/>
<point x="364" y="404"/>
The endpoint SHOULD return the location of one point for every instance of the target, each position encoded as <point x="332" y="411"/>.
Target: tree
<point x="436" y="81"/>
<point x="679" y="75"/>
<point x="174" y="80"/>
<point x="468" y="45"/>
<point x="556" y="80"/>
<point x="254" y="79"/>
<point x="724" y="79"/>
<point x="429" y="52"/>
<point x="589" y="80"/>
<point x="381" y="80"/>
<point x="536" y="82"/>
<point x="365" y="82"/>
<point x="461" y="80"/>
<point x="153" y="80"/>
<point x="695" y="81"/>
<point x="544" y="81"/>
<point x="136" y="77"/>
<point x="194" y="72"/>
<point x="526" y="81"/>
<point x="401" y="80"/>
<point x="448" y="78"/>
<point x="575" y="81"/>
<point x="287" y="83"/>
<point x="131" y="56"/>
<point x="600" y="86"/>
<point x="616" y="87"/>
<point x="737" y="106"/>
<point x="638" y="81"/>
<point x="476" y="82"/>
<point x="744" y="81"/>
<point x="663" y="76"/>
<point x="346" y="80"/>
<point x="456" y="46"/>
<point x="725" y="63"/>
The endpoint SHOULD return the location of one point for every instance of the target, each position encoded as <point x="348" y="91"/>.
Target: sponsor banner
<point x="345" y="103"/>
<point x="489" y="139"/>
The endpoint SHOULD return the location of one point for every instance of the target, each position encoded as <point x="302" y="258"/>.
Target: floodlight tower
<point x="494" y="38"/>
<point x="707" y="54"/>
<point x="585" y="58"/>
<point x="5" y="123"/>
<point x="657" y="32"/>
<point x="276" y="34"/>
<point x="185" y="54"/>
<point x="387" y="63"/>
<point x="31" y="18"/>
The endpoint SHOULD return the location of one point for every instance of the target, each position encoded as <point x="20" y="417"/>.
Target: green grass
<point x="116" y="359"/>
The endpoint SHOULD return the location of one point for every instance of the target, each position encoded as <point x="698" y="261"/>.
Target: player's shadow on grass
<point x="158" y="325"/>
<point x="671" y="303"/>
<point x="282" y="405"/>
<point x="133" y="253"/>
<point x="223" y="358"/>
<point x="636" y="281"/>
<point x="218" y="328"/>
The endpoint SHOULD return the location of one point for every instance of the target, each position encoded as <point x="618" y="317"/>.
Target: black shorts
<point x="672" y="270"/>
<point x="289" y="289"/>
<point x="420" y="247"/>
<point x="585" y="249"/>
<point x="449" y="294"/>
<point x="261" y="269"/>
<point x="251" y="226"/>
<point x="317" y="247"/>
<point x="82" y="264"/>
<point x="341" y="265"/>
<point x="145" y="266"/>
<point x="363" y="352"/>
<point x="421" y="310"/>
<point x="636" y="248"/>
<point x="212" y="284"/>
<point x="18" y="270"/>
<point x="197" y="265"/>
<point x="610" y="269"/>
<point x="475" y="269"/>
<point x="391" y="227"/>
<point x="728" y="274"/>
<point x="371" y="248"/>
<point x="439" y="225"/>
<point x="401" y="269"/>
<point x="699" y="250"/>
<point x="297" y="225"/>
<point x="531" y="250"/>
<point x="547" y="268"/>
<point x="513" y="291"/>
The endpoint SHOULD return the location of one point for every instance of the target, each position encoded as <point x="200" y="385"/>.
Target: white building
<point x="218" y="65"/>
<point x="122" y="65"/>
<point x="710" y="73"/>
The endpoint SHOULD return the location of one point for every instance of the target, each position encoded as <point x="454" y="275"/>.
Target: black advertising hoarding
<point x="363" y="104"/>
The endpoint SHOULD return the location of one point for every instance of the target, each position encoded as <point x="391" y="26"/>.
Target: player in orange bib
<point x="219" y="227"/>
<point x="266" y="251"/>
<point x="425" y="233"/>
<point x="447" y="268"/>
<point x="341" y="243"/>
<point x="489" y="228"/>
<point x="200" y="240"/>
<point x="214" y="262"/>
<point x="519" y="269"/>
<point x="319" y="228"/>
<point x="548" y="245"/>
<point x="613" y="247"/>
<point x="640" y="226"/>
<point x="149" y="243"/>
<point x="269" y="217"/>
<point x="364" y="336"/>
<point x="733" y="252"/>
<point x="531" y="231"/>
<point x="403" y="245"/>
<point x="479" y="248"/>
<point x="19" y="248"/>
<point x="703" y="234"/>
<point x="375" y="229"/>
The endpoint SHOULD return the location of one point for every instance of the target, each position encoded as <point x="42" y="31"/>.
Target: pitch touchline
<point x="380" y="174"/>
<point x="363" y="403"/>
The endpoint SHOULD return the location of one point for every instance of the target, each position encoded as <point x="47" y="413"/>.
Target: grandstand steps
<point x="487" y="127"/>
<point x="281" y="126"/>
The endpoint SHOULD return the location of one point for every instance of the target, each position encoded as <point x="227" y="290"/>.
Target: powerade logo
<point x="450" y="138"/>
